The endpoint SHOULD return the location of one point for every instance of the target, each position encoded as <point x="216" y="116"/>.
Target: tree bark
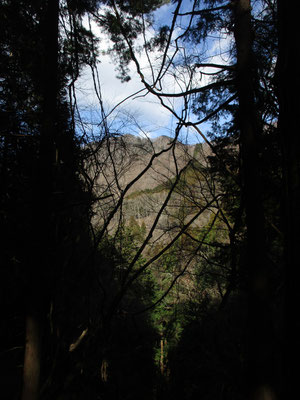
<point x="288" y="89"/>
<point x="40" y="269"/>
<point x="162" y="361"/>
<point x="259" y="333"/>
<point x="32" y="360"/>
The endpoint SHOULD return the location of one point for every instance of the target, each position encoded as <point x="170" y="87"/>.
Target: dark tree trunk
<point x="259" y="334"/>
<point x="288" y="90"/>
<point x="32" y="364"/>
<point x="40" y="266"/>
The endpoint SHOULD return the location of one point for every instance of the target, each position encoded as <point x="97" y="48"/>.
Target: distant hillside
<point x="119" y="161"/>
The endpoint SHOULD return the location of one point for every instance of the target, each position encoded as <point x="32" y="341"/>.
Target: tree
<point x="237" y="88"/>
<point x="45" y="186"/>
<point x="37" y="139"/>
<point x="258" y="267"/>
<point x="290" y="163"/>
<point x="110" y="256"/>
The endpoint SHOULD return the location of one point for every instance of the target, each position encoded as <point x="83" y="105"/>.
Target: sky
<point x="140" y="115"/>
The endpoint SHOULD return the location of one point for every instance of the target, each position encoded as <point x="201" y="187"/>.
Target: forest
<point x="149" y="262"/>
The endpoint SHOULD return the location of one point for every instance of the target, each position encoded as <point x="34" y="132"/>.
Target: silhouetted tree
<point x="290" y="189"/>
<point x="42" y="194"/>
<point x="241" y="92"/>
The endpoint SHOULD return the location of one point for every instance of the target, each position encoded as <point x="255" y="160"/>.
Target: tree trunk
<point x="40" y="269"/>
<point x="32" y="360"/>
<point x="259" y="332"/>
<point x="162" y="369"/>
<point x="288" y="89"/>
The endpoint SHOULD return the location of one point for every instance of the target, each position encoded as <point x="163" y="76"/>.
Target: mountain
<point x="119" y="164"/>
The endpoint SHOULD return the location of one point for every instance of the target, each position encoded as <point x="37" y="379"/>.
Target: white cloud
<point x="144" y="105"/>
<point x="115" y="92"/>
<point x="146" y="109"/>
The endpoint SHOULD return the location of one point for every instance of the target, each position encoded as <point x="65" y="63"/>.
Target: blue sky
<point x="141" y="115"/>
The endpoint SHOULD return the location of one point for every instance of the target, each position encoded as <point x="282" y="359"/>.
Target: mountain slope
<point x="119" y="167"/>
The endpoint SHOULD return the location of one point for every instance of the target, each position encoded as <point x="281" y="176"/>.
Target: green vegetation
<point x="163" y="187"/>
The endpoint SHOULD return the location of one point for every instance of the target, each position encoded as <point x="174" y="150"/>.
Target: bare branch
<point x="74" y="345"/>
<point x="206" y="11"/>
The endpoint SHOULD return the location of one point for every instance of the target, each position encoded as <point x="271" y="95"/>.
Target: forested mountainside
<point x="121" y="161"/>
